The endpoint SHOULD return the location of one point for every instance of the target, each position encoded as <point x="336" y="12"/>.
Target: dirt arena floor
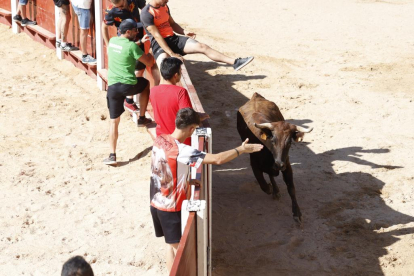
<point x="346" y="68"/>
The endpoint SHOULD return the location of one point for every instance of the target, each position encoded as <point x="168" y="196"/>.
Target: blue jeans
<point x="84" y="17"/>
<point x="23" y="2"/>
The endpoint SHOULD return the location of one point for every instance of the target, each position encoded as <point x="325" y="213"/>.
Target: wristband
<point x="238" y="153"/>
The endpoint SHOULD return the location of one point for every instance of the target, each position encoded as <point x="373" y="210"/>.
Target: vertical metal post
<point x="59" y="52"/>
<point x="210" y="204"/>
<point x="99" y="43"/>
<point x="15" y="26"/>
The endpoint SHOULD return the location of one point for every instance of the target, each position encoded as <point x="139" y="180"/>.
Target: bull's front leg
<point x="288" y="178"/>
<point x="276" y="192"/>
<point x="267" y="188"/>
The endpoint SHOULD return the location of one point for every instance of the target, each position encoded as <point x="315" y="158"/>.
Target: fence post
<point x="15" y="26"/>
<point x="59" y="52"/>
<point x="99" y="43"/>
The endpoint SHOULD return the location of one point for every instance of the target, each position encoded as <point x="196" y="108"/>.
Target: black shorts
<point x="59" y="3"/>
<point x="175" y="42"/>
<point x="117" y="93"/>
<point x="167" y="224"/>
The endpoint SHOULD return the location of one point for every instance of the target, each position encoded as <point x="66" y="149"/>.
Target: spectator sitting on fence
<point x="167" y="98"/>
<point x="82" y="10"/>
<point x="21" y="14"/>
<point x="63" y="26"/>
<point x="122" y="82"/>
<point x="170" y="163"/>
<point x="118" y="11"/>
<point x="158" y="22"/>
<point x="77" y="266"/>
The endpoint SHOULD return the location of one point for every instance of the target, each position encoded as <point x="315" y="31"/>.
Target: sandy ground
<point x="345" y="68"/>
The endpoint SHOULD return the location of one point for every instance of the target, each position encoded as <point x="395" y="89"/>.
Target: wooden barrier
<point x="185" y="262"/>
<point x="5" y="15"/>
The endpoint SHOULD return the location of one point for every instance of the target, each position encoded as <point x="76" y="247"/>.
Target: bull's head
<point x="278" y="136"/>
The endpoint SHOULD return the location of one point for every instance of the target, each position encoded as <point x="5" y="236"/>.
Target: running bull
<point x="261" y="121"/>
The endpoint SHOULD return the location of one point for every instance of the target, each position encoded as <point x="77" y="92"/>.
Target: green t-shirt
<point x="122" y="55"/>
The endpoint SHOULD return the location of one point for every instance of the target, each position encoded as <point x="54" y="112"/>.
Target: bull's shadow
<point x="347" y="224"/>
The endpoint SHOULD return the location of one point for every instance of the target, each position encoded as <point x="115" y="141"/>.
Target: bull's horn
<point x="264" y="125"/>
<point x="303" y="129"/>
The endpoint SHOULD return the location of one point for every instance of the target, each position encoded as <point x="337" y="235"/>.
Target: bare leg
<point x="113" y="133"/>
<point x="19" y="7"/>
<point x="143" y="100"/>
<point x="23" y="10"/>
<point x="83" y="40"/>
<point x="193" y="47"/>
<point x="160" y="58"/>
<point x="155" y="74"/>
<point x="64" y="19"/>
<point x="171" y="252"/>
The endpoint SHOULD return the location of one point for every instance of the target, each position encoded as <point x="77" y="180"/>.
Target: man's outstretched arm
<point x="226" y="156"/>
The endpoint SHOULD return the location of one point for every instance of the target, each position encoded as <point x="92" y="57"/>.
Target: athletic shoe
<point x="57" y="44"/>
<point x="239" y="63"/>
<point x="131" y="107"/>
<point x="88" y="60"/>
<point x="143" y="122"/>
<point x="111" y="160"/>
<point x="27" y="21"/>
<point x="68" y="47"/>
<point x="17" y="18"/>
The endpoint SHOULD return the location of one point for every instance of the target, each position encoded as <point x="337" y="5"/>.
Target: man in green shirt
<point x="122" y="82"/>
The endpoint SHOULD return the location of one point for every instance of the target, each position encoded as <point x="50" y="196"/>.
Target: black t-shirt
<point x="115" y="15"/>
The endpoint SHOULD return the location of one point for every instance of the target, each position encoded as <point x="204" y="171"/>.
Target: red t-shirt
<point x="166" y="100"/>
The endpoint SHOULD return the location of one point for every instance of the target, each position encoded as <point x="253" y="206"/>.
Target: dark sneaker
<point x="143" y="122"/>
<point x="88" y="60"/>
<point x="27" y="21"/>
<point x="111" y="160"/>
<point x="17" y="18"/>
<point x="239" y="63"/>
<point x="133" y="108"/>
<point x="69" y="47"/>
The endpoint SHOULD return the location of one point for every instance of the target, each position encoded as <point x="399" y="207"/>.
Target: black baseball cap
<point x="129" y="24"/>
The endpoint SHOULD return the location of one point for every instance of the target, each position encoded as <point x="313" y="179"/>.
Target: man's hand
<point x="249" y="148"/>
<point x="190" y="34"/>
<point x="144" y="39"/>
<point x="195" y="182"/>
<point x="177" y="56"/>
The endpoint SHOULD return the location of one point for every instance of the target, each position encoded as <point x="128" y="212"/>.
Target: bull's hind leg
<point x="276" y="192"/>
<point x="288" y="178"/>
<point x="267" y="188"/>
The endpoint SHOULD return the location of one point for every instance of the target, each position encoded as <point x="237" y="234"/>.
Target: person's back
<point x="122" y="54"/>
<point x="167" y="98"/>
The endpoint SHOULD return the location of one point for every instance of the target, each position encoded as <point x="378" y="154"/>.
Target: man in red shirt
<point x="167" y="98"/>
<point x="161" y="28"/>
<point x="170" y="163"/>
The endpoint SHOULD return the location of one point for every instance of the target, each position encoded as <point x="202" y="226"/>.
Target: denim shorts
<point x="84" y="17"/>
<point x="23" y="2"/>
